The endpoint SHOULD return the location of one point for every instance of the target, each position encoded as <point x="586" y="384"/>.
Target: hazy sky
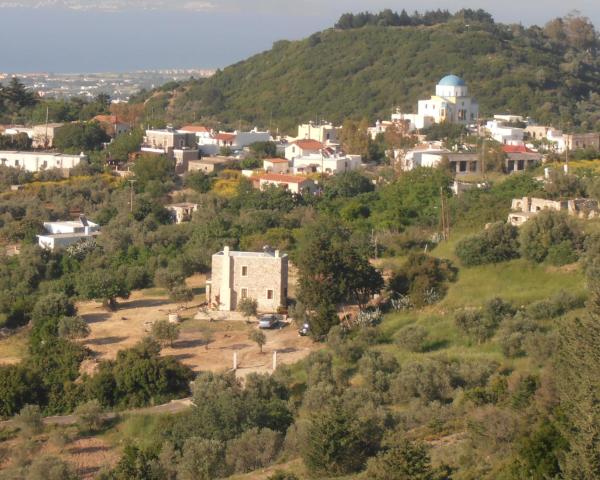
<point x="117" y="35"/>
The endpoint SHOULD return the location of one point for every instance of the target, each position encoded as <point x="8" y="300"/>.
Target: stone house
<point x="182" y="212"/>
<point x="262" y="276"/>
<point x="522" y="209"/>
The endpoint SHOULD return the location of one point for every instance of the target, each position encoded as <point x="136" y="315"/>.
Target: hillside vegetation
<point x="551" y="73"/>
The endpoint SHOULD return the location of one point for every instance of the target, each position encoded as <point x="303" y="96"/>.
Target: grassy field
<point x="519" y="281"/>
<point x="13" y="348"/>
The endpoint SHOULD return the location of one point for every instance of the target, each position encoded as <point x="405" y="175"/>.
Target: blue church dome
<point x="452" y="81"/>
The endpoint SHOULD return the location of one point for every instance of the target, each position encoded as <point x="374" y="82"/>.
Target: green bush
<point x="412" y="338"/>
<point x="561" y="254"/>
<point x="550" y="229"/>
<point x="423" y="278"/>
<point x="498" y="243"/>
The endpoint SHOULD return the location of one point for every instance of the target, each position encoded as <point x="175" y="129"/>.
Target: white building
<point x="451" y="103"/>
<point x="293" y="183"/>
<point x="414" y="158"/>
<point x="326" y="162"/>
<point x="557" y="139"/>
<point x="201" y="132"/>
<point x="322" y="132"/>
<point x="505" y="134"/>
<point x="301" y="148"/>
<point x="166" y="140"/>
<point x="39" y="161"/>
<point x="63" y="234"/>
<point x="276" y="165"/>
<point x="509" y="118"/>
<point x="431" y="157"/>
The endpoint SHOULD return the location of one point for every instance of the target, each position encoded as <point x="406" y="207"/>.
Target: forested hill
<point x="550" y="73"/>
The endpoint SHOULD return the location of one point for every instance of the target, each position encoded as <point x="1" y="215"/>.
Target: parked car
<point x="304" y="330"/>
<point x="267" y="321"/>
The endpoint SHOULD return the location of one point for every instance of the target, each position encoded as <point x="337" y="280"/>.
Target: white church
<point x="451" y="103"/>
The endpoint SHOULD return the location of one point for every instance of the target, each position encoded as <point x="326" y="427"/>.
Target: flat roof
<point x="253" y="254"/>
<point x="70" y="235"/>
<point x="183" y="205"/>
<point x="37" y="154"/>
<point x="72" y="223"/>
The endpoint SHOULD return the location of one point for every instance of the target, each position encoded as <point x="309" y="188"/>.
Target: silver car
<point x="267" y="321"/>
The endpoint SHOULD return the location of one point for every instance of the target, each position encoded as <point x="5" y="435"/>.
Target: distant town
<point x="119" y="85"/>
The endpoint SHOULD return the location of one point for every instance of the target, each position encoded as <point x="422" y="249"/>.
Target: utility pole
<point x="444" y="217"/>
<point x="483" y="158"/>
<point x="131" y="182"/>
<point x="46" y="135"/>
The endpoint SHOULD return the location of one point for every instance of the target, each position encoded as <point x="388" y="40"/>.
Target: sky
<point x="126" y="35"/>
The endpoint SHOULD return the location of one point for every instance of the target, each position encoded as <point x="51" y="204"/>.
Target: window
<point x="244" y="293"/>
<point x="16" y="163"/>
<point x="244" y="271"/>
<point x="269" y="294"/>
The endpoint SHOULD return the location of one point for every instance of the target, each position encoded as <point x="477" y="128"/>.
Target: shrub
<point x="412" y="338"/>
<point x="481" y="325"/>
<point x="89" y="416"/>
<point x="337" y="440"/>
<point x="549" y="229"/>
<point x="427" y="379"/>
<point x="401" y="460"/>
<point x="50" y="468"/>
<point x="514" y="333"/>
<point x="498" y="243"/>
<point x="281" y="475"/>
<point x="73" y="328"/>
<point x="165" y="332"/>
<point x="29" y="420"/>
<point x="561" y="254"/>
<point x="253" y="449"/>
<point x="423" y="278"/>
<point x="555" y="306"/>
<point x="202" y="460"/>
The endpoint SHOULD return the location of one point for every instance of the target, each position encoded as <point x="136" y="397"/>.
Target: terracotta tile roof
<point x="225" y="136"/>
<point x="195" y="129"/>
<point x="516" y="149"/>
<point x="278" y="177"/>
<point x="309" y="144"/>
<point x="276" y="160"/>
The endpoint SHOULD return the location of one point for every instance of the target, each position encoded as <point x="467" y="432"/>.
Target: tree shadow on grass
<point x="436" y="345"/>
<point x="105" y="340"/>
<point x="142" y="303"/>
<point x="198" y="342"/>
<point x="96" y="317"/>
